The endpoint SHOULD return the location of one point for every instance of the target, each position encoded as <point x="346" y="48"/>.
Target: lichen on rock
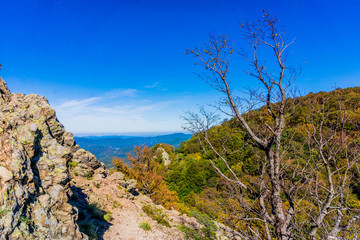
<point x="35" y="183"/>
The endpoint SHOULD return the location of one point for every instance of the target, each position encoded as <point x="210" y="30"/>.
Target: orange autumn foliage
<point x="144" y="169"/>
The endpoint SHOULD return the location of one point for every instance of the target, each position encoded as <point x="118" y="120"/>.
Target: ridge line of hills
<point x="107" y="147"/>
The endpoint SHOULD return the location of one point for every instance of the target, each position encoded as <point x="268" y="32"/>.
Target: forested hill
<point x="107" y="147"/>
<point x="320" y="156"/>
<point x="322" y="129"/>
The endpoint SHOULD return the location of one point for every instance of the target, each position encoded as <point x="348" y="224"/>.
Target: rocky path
<point x="126" y="212"/>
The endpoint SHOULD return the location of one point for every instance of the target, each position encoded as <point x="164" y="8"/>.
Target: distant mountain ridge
<point x="107" y="147"/>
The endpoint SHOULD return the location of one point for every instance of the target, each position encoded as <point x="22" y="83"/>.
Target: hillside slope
<point x="320" y="155"/>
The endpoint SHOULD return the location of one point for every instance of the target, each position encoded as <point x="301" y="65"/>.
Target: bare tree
<point x="283" y="183"/>
<point x="336" y="155"/>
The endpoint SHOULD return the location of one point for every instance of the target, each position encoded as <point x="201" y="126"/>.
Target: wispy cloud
<point x="78" y="103"/>
<point x="157" y="86"/>
<point x="154" y="85"/>
<point x="119" y="93"/>
<point x="106" y="113"/>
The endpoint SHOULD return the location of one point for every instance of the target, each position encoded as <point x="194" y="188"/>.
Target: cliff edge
<point x="35" y="188"/>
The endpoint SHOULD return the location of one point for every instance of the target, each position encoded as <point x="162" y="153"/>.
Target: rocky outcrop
<point x="35" y="184"/>
<point x="4" y="91"/>
<point x="164" y="155"/>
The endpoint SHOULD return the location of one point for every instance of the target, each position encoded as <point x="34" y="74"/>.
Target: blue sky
<point x="120" y="66"/>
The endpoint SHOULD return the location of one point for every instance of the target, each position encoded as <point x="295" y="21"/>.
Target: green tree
<point x="148" y="172"/>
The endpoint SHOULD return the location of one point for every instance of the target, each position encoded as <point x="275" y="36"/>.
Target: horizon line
<point x="127" y="134"/>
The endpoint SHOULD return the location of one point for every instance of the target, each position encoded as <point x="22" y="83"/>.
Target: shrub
<point x="108" y="217"/>
<point x="89" y="229"/>
<point x="156" y="214"/>
<point x="95" y="211"/>
<point x="72" y="164"/>
<point x="209" y="228"/>
<point x="88" y="175"/>
<point x="191" y="233"/>
<point x="116" y="205"/>
<point x="25" y="220"/>
<point x="149" y="175"/>
<point x="146" y="226"/>
<point x="3" y="212"/>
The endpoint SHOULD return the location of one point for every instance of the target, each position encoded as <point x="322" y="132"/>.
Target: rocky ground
<point x="116" y="197"/>
<point x="125" y="210"/>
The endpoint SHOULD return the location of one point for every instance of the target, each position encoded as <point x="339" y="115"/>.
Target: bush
<point x="72" y="164"/>
<point x="146" y="226"/>
<point x="116" y="205"/>
<point x="149" y="174"/>
<point x="156" y="214"/>
<point x="95" y="211"/>
<point x="209" y="228"/>
<point x="88" y="176"/>
<point x="108" y="217"/>
<point x="25" y="220"/>
<point x="89" y="229"/>
<point x="3" y="212"/>
<point x="191" y="233"/>
<point x="207" y="232"/>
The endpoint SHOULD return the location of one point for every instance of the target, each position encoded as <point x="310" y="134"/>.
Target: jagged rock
<point x="164" y="155"/>
<point x="86" y="158"/>
<point x="35" y="188"/>
<point x="97" y="178"/>
<point x="69" y="139"/>
<point x="130" y="185"/>
<point x="99" y="175"/>
<point x="117" y="177"/>
<point x="4" y="91"/>
<point x="83" y="170"/>
<point x="5" y="175"/>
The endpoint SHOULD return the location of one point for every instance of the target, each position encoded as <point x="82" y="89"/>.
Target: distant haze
<point x="126" y="134"/>
<point x="107" y="147"/>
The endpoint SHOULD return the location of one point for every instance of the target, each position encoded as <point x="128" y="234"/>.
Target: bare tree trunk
<point x="283" y="185"/>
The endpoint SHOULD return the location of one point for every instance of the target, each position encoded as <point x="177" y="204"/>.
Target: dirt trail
<point x="126" y="212"/>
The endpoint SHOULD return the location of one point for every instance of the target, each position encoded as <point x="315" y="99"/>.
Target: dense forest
<point x="319" y="165"/>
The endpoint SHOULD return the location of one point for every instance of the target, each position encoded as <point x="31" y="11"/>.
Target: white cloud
<point x="78" y="103"/>
<point x="154" y="85"/>
<point x="119" y="93"/>
<point x="108" y="114"/>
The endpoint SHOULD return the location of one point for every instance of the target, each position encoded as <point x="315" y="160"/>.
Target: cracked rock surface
<point x="35" y="184"/>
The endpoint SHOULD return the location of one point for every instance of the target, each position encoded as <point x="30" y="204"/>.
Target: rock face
<point x="35" y="183"/>
<point x="164" y="155"/>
